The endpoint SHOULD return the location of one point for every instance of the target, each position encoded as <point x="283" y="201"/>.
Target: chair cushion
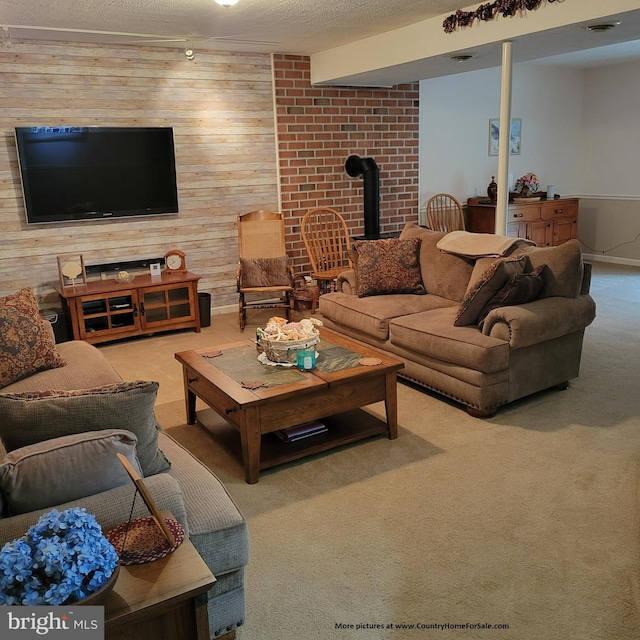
<point x="52" y="472"/>
<point x="481" y="289"/>
<point x="26" y="345"/>
<point x="264" y="272"/>
<point x="27" y="418"/>
<point x="388" y="266"/>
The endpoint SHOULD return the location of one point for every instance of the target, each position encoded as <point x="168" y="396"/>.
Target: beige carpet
<point x="529" y="519"/>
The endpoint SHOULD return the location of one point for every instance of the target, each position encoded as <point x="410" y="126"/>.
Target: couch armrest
<point x="540" y="320"/>
<point x="347" y="282"/>
<point x="111" y="507"/>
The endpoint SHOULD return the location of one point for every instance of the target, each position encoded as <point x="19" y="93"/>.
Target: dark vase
<point x="492" y="189"/>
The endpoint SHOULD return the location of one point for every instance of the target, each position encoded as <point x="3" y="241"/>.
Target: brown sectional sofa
<point x="520" y="349"/>
<point x="194" y="495"/>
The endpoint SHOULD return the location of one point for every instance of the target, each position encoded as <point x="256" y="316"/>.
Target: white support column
<point x="504" y="142"/>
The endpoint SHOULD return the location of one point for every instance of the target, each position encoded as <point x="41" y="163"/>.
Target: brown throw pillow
<point x="389" y="266"/>
<point x="264" y="272"/>
<point x="483" y="289"/>
<point x="520" y="289"/>
<point x="26" y="345"/>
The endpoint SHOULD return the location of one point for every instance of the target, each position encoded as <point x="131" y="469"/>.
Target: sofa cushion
<point x="26" y="345"/>
<point x="519" y="289"/>
<point x="370" y="315"/>
<point x="32" y="417"/>
<point x="443" y="274"/>
<point x="62" y="469"/>
<point x="388" y="266"/>
<point x="481" y="289"/>
<point x="563" y="275"/>
<point x="85" y="367"/>
<point x="264" y="272"/>
<point x="433" y="335"/>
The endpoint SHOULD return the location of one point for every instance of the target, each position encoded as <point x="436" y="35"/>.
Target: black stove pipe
<point x="356" y="166"/>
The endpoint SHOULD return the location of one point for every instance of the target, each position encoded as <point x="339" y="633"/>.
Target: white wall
<point x="454" y="130"/>
<point x="609" y="224"/>
<point x="580" y="132"/>
<point x="611" y="131"/>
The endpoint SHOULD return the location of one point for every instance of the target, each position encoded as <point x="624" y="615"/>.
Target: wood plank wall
<point x="221" y="109"/>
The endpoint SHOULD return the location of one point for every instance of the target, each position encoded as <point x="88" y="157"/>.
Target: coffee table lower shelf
<point x="343" y="428"/>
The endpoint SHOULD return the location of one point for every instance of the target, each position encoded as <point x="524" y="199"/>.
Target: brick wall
<point x="319" y="127"/>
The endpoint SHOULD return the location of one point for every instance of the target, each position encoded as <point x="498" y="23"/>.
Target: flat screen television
<point x="89" y="173"/>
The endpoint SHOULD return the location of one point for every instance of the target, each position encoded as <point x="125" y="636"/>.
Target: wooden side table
<point x="164" y="599"/>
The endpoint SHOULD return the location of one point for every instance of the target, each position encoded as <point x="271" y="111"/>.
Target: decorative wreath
<point x="488" y="11"/>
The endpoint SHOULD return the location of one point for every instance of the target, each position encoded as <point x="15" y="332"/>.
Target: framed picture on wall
<point x="515" y="136"/>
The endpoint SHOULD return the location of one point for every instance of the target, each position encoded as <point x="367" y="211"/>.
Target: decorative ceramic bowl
<point x="527" y="199"/>
<point x="124" y="277"/>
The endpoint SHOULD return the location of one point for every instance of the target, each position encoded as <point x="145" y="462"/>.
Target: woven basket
<point x="286" y="351"/>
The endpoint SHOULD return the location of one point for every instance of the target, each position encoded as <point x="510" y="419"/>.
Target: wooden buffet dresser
<point x="545" y="222"/>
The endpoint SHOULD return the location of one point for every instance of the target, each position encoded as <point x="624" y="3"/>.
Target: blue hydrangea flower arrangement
<point x="61" y="559"/>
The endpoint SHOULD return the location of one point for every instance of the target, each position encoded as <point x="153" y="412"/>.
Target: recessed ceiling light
<point x="462" y="57"/>
<point x="190" y="53"/>
<point x="227" y="3"/>
<point x="601" y="26"/>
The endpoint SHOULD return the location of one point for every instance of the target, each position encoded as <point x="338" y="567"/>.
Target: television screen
<point x="87" y="173"/>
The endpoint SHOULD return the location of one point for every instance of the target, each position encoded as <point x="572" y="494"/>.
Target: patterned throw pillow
<point x="30" y="417"/>
<point x="26" y="345"/>
<point x="483" y="289"/>
<point x="264" y="272"/>
<point x="389" y="266"/>
<point x="519" y="289"/>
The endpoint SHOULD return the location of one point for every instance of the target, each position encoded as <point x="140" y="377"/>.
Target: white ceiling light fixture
<point x="189" y="53"/>
<point x="226" y="3"/>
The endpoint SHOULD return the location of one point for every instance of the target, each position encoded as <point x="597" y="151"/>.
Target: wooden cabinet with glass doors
<point x="104" y="310"/>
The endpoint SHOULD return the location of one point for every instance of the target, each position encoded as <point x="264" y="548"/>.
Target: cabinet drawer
<point x="551" y="210"/>
<point x="524" y="213"/>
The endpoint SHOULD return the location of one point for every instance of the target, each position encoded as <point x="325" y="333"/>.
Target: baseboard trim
<point x="218" y="311"/>
<point x="596" y="257"/>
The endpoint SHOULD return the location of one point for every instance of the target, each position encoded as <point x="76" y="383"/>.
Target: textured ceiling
<point x="303" y="27"/>
<point x="285" y="26"/>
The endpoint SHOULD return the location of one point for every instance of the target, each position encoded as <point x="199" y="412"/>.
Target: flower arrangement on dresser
<point x="527" y="185"/>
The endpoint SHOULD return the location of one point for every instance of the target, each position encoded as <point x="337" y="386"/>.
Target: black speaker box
<point x="59" y="323"/>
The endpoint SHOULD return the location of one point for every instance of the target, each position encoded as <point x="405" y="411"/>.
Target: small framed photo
<point x="515" y="136"/>
<point x="155" y="268"/>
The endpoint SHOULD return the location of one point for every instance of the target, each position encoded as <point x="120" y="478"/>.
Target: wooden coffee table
<point x="166" y="598"/>
<point x="333" y="392"/>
